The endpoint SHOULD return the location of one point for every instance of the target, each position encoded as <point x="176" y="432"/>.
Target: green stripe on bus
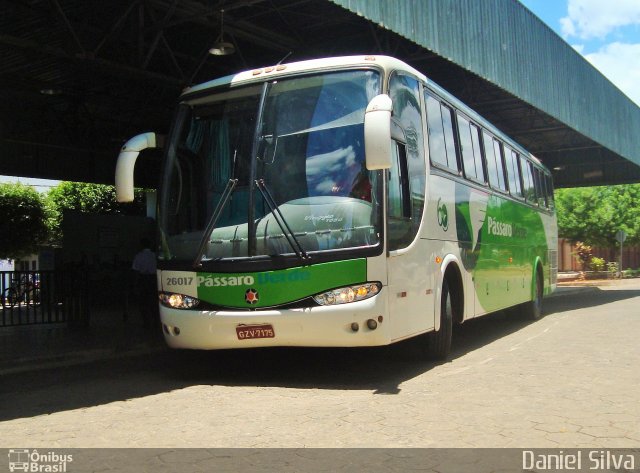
<point x="272" y="288"/>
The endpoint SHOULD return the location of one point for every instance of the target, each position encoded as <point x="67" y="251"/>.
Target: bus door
<point x="409" y="276"/>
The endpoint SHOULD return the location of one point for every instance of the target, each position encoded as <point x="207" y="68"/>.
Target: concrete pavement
<point x="568" y="380"/>
<point x="27" y="348"/>
<point x="34" y="347"/>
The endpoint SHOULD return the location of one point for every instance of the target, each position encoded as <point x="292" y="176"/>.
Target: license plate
<point x="248" y="332"/>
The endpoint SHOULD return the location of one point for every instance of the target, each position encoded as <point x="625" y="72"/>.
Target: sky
<point x="41" y="185"/>
<point x="605" y="32"/>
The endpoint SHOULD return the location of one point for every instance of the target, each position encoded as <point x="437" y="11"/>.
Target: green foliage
<point x="582" y="253"/>
<point x="595" y="214"/>
<point x="89" y="198"/>
<point x="612" y="267"/>
<point x="23" y="221"/>
<point x="92" y="198"/>
<point x="597" y="264"/>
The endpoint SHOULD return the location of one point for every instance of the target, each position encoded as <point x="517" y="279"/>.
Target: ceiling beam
<point x="103" y="63"/>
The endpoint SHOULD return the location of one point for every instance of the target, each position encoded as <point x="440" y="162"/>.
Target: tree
<point x="23" y="221"/>
<point x="583" y="254"/>
<point x="595" y="214"/>
<point x="89" y="198"/>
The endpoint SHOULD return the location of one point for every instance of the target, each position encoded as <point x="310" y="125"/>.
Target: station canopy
<point x="80" y="77"/>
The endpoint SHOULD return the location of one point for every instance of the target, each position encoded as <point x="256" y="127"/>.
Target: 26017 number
<point x="186" y="281"/>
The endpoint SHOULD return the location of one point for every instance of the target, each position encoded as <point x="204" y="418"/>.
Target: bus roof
<point x="386" y="63"/>
<point x="281" y="70"/>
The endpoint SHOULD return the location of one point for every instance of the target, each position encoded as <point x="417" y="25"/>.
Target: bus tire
<point x="439" y="343"/>
<point x="533" y="309"/>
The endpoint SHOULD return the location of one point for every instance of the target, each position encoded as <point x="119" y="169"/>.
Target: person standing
<point x="144" y="265"/>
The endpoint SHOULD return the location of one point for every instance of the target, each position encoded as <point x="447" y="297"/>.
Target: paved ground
<point x="569" y="380"/>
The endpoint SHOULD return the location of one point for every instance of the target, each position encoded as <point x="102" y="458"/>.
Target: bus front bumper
<point x="355" y="324"/>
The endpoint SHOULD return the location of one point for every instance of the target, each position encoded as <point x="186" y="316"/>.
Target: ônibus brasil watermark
<point x="23" y="459"/>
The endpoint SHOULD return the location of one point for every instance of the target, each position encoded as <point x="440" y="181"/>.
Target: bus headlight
<point x="178" y="301"/>
<point x="344" y="295"/>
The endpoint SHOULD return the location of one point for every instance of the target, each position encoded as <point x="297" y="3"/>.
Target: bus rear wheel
<point x="533" y="309"/>
<point x="439" y="343"/>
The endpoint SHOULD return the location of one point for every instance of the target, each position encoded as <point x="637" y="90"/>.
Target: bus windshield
<point x="302" y="138"/>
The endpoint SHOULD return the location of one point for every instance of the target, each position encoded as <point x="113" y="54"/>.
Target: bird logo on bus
<point x="443" y="216"/>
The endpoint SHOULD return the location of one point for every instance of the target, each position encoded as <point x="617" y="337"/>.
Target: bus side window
<point x="441" y="138"/>
<point x="466" y="149"/>
<point x="549" y="191"/>
<point x="405" y="92"/>
<point x="545" y="192"/>
<point x="495" y="167"/>
<point x="502" y="183"/>
<point x="437" y="148"/>
<point x="539" y="184"/>
<point x="511" y="158"/>
<point x="477" y="153"/>
<point x="449" y="138"/>
<point x="489" y="152"/>
<point x="399" y="203"/>
<point x="527" y="179"/>
<point x="534" y="195"/>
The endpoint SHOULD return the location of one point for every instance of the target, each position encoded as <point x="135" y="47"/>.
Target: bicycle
<point x="25" y="289"/>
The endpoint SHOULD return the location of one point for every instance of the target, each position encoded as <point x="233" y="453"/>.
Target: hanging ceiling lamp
<point x="221" y="47"/>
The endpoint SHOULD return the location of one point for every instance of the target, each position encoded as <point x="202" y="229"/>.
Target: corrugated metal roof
<point x="504" y="43"/>
<point x="79" y="77"/>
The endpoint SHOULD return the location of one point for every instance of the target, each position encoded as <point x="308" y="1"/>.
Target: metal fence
<point x="43" y="297"/>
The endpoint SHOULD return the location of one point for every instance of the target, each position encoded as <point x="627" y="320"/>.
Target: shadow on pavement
<point x="588" y="297"/>
<point x="380" y="370"/>
<point x="479" y="332"/>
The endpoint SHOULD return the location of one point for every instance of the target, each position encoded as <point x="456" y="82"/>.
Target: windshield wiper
<point x="224" y="198"/>
<point x="280" y="220"/>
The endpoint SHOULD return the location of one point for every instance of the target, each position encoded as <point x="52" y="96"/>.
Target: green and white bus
<point x="341" y="202"/>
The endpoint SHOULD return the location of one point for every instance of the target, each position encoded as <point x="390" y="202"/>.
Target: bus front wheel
<point x="439" y="343"/>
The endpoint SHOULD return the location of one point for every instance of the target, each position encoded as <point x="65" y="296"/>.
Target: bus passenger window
<point x="441" y="139"/>
<point x="537" y="179"/>
<point x="511" y="158"/>
<point x="470" y="150"/>
<point x="532" y="191"/>
<point x="549" y="191"/>
<point x="437" y="148"/>
<point x="527" y="179"/>
<point x="449" y="139"/>
<point x="497" y="145"/>
<point x="489" y="153"/>
<point x="477" y="153"/>
<point x="466" y="148"/>
<point x="543" y="185"/>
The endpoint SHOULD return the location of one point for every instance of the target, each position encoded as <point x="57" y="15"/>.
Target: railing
<point x="43" y="297"/>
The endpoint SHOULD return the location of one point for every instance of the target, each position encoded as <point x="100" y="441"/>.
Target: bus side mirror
<point x="377" y="132"/>
<point x="127" y="162"/>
